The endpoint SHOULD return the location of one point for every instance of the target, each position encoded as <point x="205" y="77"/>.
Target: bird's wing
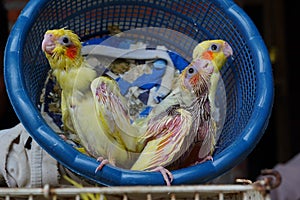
<point x="208" y="139"/>
<point x="113" y="112"/>
<point x="165" y="140"/>
<point x="94" y="137"/>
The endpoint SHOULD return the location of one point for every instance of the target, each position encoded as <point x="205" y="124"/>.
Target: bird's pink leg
<point x="202" y="160"/>
<point x="208" y="158"/>
<point x="101" y="165"/>
<point x="167" y="175"/>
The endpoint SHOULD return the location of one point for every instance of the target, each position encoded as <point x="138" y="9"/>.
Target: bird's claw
<point x="207" y="158"/>
<point x="167" y="175"/>
<point x="101" y="165"/>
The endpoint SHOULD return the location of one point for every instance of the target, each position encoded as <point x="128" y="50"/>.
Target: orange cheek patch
<point x="71" y="52"/>
<point x="208" y="55"/>
<point x="194" y="80"/>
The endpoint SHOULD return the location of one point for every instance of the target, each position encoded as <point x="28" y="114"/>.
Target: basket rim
<point x="112" y="176"/>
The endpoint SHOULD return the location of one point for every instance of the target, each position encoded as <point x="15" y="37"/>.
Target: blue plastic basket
<point x="248" y="78"/>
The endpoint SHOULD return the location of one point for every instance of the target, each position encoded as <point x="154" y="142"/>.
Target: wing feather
<point x="165" y="140"/>
<point x="113" y="112"/>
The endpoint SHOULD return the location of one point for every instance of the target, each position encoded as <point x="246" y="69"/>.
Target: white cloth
<point x="23" y="163"/>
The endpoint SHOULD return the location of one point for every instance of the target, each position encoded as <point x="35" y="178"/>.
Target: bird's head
<point x="196" y="76"/>
<point x="216" y="51"/>
<point x="208" y="58"/>
<point x="62" y="48"/>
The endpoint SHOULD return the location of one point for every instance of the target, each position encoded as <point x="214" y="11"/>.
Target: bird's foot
<point x="62" y="136"/>
<point x="101" y="165"/>
<point x="167" y="175"/>
<point x="202" y="160"/>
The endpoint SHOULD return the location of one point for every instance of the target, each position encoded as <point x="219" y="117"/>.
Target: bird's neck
<point x="65" y="70"/>
<point x="65" y="64"/>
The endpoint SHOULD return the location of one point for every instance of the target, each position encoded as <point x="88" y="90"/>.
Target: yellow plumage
<point x="114" y="113"/>
<point x="84" y="196"/>
<point x="164" y="149"/>
<point x="80" y="114"/>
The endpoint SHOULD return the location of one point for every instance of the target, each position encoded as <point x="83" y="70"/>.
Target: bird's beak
<point x="48" y="44"/>
<point x="204" y="65"/>
<point x="227" y="50"/>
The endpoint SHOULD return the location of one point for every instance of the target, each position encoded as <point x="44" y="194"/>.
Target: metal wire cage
<point x="203" y="192"/>
<point x="248" y="77"/>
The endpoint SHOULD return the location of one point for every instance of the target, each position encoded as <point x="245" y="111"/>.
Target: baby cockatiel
<point x="182" y="123"/>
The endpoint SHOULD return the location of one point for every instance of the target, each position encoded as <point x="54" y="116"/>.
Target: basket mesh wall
<point x="199" y="20"/>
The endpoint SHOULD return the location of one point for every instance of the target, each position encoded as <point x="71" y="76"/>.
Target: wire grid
<point x="203" y="192"/>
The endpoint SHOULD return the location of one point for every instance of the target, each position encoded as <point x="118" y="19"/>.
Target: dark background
<point x="278" y="23"/>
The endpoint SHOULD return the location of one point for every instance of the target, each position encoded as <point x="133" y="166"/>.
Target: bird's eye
<point x="65" y="41"/>
<point x="191" y="70"/>
<point x="214" y="47"/>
